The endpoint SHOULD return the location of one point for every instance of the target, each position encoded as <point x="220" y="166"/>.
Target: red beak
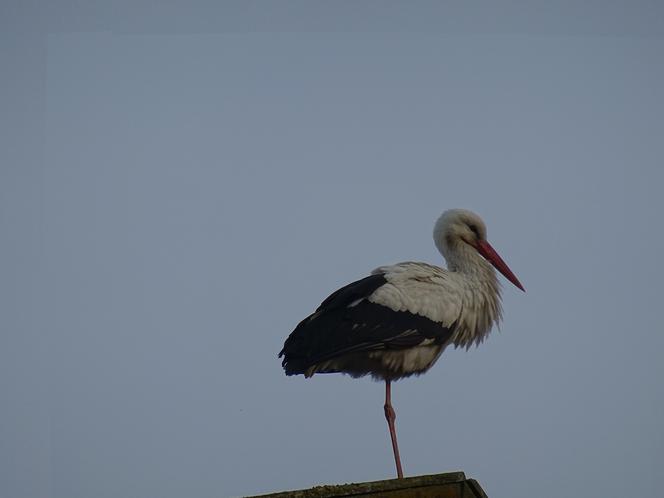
<point x="490" y="254"/>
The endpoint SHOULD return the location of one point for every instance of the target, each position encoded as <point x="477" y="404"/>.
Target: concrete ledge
<point x="448" y="485"/>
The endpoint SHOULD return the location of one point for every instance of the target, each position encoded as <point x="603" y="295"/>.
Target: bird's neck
<point x="465" y="259"/>
<point x="481" y="301"/>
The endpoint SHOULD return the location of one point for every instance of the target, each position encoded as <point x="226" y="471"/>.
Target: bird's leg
<point x="391" y="416"/>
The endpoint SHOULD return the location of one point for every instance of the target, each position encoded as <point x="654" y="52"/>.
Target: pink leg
<point x="391" y="417"/>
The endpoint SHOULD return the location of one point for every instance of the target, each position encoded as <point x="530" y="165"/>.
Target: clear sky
<point x="181" y="183"/>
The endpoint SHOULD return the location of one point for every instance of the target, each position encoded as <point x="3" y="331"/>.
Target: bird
<point x="397" y="321"/>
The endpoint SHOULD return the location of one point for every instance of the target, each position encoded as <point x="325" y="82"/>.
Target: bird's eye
<point x="475" y="230"/>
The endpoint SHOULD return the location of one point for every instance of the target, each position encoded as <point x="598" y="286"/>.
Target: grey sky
<point x="180" y="185"/>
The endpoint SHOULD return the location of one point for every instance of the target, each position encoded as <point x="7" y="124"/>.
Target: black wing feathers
<point x="352" y="292"/>
<point x="345" y="324"/>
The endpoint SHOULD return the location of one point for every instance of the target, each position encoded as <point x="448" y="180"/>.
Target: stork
<point x="397" y="321"/>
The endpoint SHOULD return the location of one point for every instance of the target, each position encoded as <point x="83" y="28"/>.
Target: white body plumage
<point x="443" y="296"/>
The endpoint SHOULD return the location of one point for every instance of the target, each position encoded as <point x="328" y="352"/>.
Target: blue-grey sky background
<point x="182" y="182"/>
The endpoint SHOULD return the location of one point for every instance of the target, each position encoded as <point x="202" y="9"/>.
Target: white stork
<point x="396" y="322"/>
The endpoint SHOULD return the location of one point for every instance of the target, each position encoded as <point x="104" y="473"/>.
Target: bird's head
<point x="459" y="229"/>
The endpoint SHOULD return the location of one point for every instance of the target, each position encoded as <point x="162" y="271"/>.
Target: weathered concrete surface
<point x="449" y="485"/>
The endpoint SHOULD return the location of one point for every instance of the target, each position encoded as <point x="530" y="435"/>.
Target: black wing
<point x="346" y="323"/>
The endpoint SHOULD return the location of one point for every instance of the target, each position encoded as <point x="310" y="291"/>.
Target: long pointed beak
<point x="490" y="254"/>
